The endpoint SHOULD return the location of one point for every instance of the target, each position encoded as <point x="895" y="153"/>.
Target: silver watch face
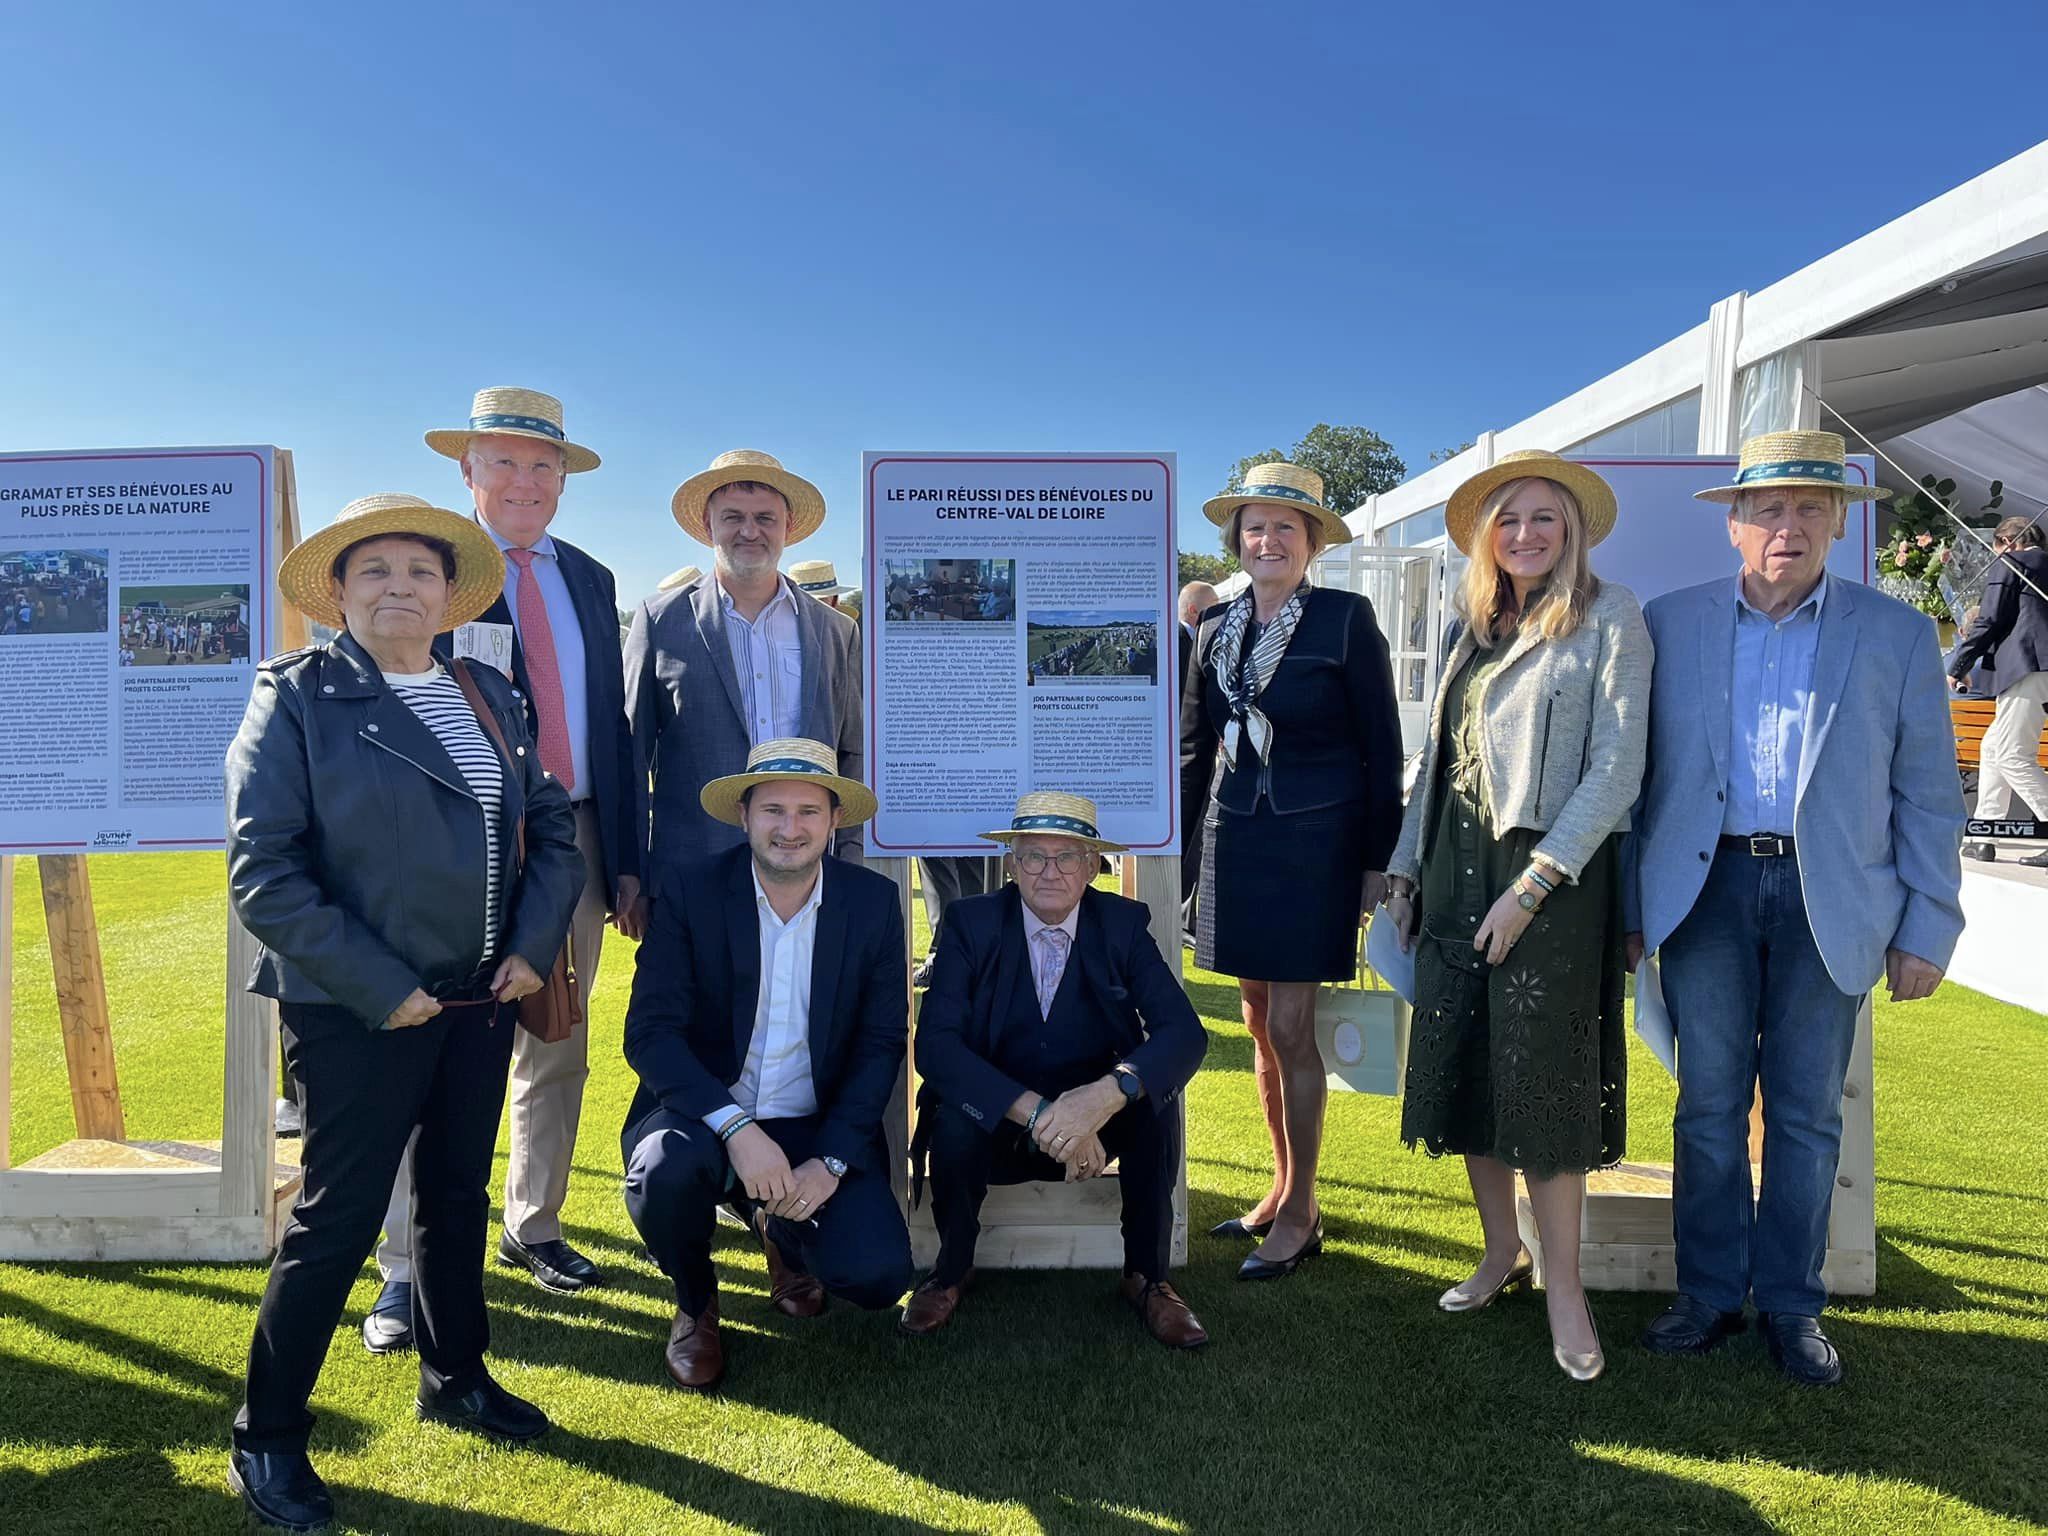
<point x="834" y="1167"/>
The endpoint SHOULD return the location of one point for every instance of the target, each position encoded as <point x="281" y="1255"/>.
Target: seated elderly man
<point x="1053" y="1038"/>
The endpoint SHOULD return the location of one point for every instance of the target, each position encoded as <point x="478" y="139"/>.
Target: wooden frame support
<point x="81" y="997"/>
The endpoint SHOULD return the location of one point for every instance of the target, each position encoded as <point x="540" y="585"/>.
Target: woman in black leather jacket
<point x="373" y="850"/>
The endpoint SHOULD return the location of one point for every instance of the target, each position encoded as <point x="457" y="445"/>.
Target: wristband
<point x="734" y="1126"/>
<point x="1036" y="1110"/>
<point x="1536" y="877"/>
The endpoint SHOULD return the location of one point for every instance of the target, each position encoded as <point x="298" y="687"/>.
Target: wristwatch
<point x="1127" y="1080"/>
<point x="1527" y="899"/>
<point x="834" y="1167"/>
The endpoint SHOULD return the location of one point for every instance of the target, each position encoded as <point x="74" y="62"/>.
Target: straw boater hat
<point x="806" y="501"/>
<point x="817" y="578"/>
<point x="1793" y="458"/>
<point x="1593" y="494"/>
<point x="1052" y="814"/>
<point x="792" y="757"/>
<point x="682" y="578"/>
<point x="503" y="411"/>
<point x="306" y="577"/>
<point x="1281" y="484"/>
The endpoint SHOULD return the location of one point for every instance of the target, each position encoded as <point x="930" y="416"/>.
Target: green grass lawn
<point x="1338" y="1400"/>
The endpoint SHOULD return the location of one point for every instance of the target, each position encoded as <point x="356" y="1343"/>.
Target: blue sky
<point x="821" y="229"/>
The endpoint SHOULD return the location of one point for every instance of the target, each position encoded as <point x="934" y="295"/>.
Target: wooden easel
<point x="1042" y="1226"/>
<point x="102" y="1196"/>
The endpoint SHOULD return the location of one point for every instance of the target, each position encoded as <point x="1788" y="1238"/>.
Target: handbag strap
<point x="488" y="719"/>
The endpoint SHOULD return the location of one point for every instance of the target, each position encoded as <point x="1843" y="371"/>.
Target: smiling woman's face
<point x="1273" y="544"/>
<point x="393" y="590"/>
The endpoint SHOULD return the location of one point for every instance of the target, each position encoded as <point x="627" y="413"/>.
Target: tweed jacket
<point x="689" y="718"/>
<point x="1565" y="728"/>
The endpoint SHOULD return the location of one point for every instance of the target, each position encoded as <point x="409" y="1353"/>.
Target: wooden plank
<point x="6" y="1009"/>
<point x="897" y="1119"/>
<point x="1155" y="880"/>
<point x="81" y="996"/>
<point x="1041" y="1247"/>
<point x="206" y="1239"/>
<point x="293" y="631"/>
<point x="248" y="1086"/>
<point x="96" y="1192"/>
<point x="1089" y="1203"/>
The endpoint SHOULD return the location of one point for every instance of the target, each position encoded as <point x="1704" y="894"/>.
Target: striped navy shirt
<point x="444" y="709"/>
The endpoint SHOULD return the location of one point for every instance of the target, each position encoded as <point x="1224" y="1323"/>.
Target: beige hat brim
<point x="1726" y="494"/>
<point x="453" y="443"/>
<point x="721" y="797"/>
<point x="1007" y="835"/>
<point x="806" y="501"/>
<point x="1335" y="530"/>
<point x="1593" y="494"/>
<point x="306" y="575"/>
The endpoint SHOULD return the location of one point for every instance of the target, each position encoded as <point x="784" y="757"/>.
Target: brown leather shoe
<point x="794" y="1293"/>
<point x="932" y="1305"/>
<point x="695" y="1356"/>
<point x="1166" y="1317"/>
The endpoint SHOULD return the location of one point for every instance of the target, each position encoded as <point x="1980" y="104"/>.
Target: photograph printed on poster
<point x="204" y="624"/>
<point x="957" y="591"/>
<point x="1091" y="642"/>
<point x="53" y="591"/>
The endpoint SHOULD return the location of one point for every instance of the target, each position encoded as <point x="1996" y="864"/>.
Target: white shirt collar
<point x="1034" y="925"/>
<point x="784" y="593"/>
<point x="1814" y="599"/>
<point x="544" y="546"/>
<point x="767" y="909"/>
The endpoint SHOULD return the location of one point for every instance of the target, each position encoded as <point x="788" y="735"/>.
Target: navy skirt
<point x="1280" y="894"/>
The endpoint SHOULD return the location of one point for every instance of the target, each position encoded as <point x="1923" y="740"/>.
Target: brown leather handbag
<point x="551" y="1014"/>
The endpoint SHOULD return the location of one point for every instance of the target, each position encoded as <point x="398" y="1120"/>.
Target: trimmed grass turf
<point x="1338" y="1400"/>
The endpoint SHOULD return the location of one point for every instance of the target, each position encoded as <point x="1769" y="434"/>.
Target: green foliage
<point x="1355" y="462"/>
<point x="1210" y="568"/>
<point x="1445" y="455"/>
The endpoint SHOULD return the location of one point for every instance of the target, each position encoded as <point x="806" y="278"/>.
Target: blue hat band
<point x="790" y="766"/>
<point x="816" y="586"/>
<point x="1794" y="469"/>
<point x="1281" y="493"/>
<point x="1052" y="823"/>
<point x="538" y="424"/>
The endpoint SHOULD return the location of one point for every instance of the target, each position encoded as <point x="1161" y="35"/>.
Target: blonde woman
<point x="1290" y="686"/>
<point x="1508" y="866"/>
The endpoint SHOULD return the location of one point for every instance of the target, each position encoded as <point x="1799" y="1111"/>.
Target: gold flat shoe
<point x="1518" y="1277"/>
<point x="1587" y="1366"/>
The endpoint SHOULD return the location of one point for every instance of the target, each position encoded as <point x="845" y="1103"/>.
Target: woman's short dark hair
<point x="440" y="547"/>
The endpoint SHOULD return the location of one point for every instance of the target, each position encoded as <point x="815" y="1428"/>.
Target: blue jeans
<point x="1749" y="997"/>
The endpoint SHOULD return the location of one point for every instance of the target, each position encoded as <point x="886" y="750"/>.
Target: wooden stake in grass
<point x="82" y="997"/>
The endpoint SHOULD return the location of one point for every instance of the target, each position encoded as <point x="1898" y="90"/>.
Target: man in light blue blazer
<point x="1798" y="837"/>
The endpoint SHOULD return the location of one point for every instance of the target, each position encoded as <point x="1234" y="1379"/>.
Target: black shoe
<point x="2034" y="861"/>
<point x="388" y="1328"/>
<point x="281" y="1489"/>
<point x="1983" y="852"/>
<point x="1237" y="1226"/>
<point x="1691" y="1327"/>
<point x="1798" y="1348"/>
<point x="488" y="1410"/>
<point x="1257" y="1268"/>
<point x="556" y="1265"/>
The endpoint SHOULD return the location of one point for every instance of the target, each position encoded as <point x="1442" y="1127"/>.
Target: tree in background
<point x="849" y="604"/>
<point x="1209" y="568"/>
<point x="1355" y="462"/>
<point x="1445" y="455"/>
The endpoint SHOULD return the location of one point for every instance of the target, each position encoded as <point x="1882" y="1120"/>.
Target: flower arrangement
<point x="1914" y="563"/>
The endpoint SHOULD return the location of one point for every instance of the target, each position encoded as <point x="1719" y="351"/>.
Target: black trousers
<point x="964" y="1159"/>
<point x="367" y="1093"/>
<point x="677" y="1175"/>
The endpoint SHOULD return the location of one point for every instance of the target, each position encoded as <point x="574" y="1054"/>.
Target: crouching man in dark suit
<point x="767" y="1026"/>
<point x="1054" y="1038"/>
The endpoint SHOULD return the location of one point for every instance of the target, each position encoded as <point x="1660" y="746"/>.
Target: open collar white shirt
<point x="768" y="661"/>
<point x="775" y="1083"/>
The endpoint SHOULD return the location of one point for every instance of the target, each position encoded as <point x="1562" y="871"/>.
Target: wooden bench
<point x="1970" y="719"/>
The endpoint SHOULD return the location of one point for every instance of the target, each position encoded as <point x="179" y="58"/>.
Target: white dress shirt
<point x="568" y="633"/>
<point x="1033" y="927"/>
<point x="768" y="659"/>
<point x="775" y="1083"/>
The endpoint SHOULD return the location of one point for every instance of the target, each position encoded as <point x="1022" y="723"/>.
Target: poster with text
<point x="136" y="586"/>
<point x="1019" y="635"/>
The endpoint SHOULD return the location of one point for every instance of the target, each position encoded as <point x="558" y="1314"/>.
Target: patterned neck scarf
<point x="1242" y="686"/>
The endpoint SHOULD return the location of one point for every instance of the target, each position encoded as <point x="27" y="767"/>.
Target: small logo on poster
<point x="109" y="838"/>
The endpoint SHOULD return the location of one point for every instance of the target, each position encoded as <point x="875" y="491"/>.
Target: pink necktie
<point x="543" y="672"/>
<point x="1052" y="961"/>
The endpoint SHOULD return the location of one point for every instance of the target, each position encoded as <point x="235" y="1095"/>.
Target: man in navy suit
<point x="1053" y="1039"/>
<point x="555" y="632"/>
<point x="767" y="1027"/>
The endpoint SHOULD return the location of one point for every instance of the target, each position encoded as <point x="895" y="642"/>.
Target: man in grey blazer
<point x="1796" y="839"/>
<point x="716" y="667"/>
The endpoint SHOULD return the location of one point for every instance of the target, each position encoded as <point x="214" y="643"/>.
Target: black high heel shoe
<point x="1237" y="1226"/>
<point x="1258" y="1268"/>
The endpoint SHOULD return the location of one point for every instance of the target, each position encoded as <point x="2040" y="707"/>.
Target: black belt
<point x="1759" y="845"/>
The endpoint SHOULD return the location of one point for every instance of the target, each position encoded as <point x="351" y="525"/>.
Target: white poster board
<point x="1019" y="635"/>
<point x="137" y="588"/>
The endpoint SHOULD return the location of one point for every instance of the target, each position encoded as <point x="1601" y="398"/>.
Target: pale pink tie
<point x="1052" y="962"/>
<point x="543" y="672"/>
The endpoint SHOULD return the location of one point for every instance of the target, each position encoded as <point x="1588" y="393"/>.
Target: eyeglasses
<point x="546" y="471"/>
<point x="1033" y="861"/>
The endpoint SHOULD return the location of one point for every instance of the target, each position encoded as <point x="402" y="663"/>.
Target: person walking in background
<point x="377" y="805"/>
<point x="1506" y="877"/>
<point x="2011" y="631"/>
<point x="1796" y="840"/>
<point x="1291" y="762"/>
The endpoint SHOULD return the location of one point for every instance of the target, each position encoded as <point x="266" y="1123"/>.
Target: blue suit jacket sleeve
<point x="1927" y="810"/>
<point x="648" y="714"/>
<point x="852" y="1122"/>
<point x="950" y="1067"/>
<point x="658" y="1016"/>
<point x="1175" y="1041"/>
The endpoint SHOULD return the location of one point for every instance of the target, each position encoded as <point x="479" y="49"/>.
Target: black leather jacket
<point x="356" y="854"/>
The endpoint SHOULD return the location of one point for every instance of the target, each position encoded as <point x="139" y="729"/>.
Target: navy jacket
<point x="2012" y="622"/>
<point x="698" y="982"/>
<point x="618" y="782"/>
<point x="1143" y="1013"/>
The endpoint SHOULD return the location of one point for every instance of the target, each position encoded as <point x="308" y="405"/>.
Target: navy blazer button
<point x="1703" y="855"/>
<point x="373" y="728"/>
<point x="327" y="688"/>
<point x="521" y="751"/>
